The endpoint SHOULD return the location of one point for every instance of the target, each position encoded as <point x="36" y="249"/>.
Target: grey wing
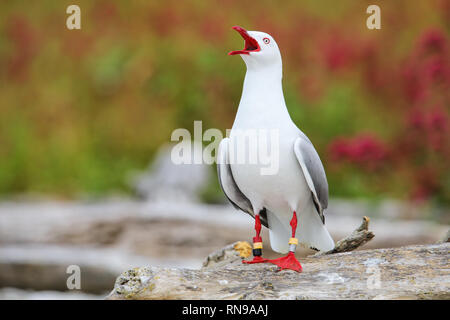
<point x="313" y="171"/>
<point x="229" y="186"/>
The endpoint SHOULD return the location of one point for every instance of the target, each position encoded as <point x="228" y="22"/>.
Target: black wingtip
<point x="318" y="208"/>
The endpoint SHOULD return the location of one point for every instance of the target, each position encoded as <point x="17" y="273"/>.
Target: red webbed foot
<point x="256" y="259"/>
<point x="288" y="262"/>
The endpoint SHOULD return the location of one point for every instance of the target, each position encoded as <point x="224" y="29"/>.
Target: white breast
<point x="282" y="192"/>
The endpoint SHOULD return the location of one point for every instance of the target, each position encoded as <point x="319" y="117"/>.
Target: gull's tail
<point x="311" y="232"/>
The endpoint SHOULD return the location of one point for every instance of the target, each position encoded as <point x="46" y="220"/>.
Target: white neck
<point x="263" y="88"/>
<point x="261" y="79"/>
<point x="262" y="102"/>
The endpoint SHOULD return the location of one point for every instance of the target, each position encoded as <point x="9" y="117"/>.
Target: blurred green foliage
<point x="80" y="109"/>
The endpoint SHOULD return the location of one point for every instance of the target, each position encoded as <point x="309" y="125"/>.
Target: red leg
<point x="289" y="261"/>
<point x="257" y="244"/>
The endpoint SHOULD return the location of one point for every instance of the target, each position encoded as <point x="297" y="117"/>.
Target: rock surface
<point x="412" y="272"/>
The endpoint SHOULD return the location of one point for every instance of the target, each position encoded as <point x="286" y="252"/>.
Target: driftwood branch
<point x="356" y="239"/>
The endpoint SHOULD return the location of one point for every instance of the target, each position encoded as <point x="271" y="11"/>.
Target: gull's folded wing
<point x="313" y="171"/>
<point x="229" y="186"/>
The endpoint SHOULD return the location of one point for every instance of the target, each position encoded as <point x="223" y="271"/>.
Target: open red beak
<point x="251" y="45"/>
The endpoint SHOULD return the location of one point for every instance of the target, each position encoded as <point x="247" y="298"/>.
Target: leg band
<point x="293" y="242"/>
<point x="257" y="252"/>
<point x="257" y="245"/>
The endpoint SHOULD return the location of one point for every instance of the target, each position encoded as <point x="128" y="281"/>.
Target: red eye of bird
<point x="266" y="40"/>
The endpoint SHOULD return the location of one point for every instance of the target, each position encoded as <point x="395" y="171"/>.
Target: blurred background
<point x="86" y="117"/>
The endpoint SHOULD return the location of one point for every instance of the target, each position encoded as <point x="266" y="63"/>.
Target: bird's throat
<point x="262" y="86"/>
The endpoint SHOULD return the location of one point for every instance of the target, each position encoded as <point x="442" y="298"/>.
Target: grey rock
<point x="413" y="272"/>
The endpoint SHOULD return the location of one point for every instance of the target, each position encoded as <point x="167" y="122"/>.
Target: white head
<point x="260" y="50"/>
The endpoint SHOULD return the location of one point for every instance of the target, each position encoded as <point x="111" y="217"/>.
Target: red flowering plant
<point x="72" y="100"/>
<point x="417" y="149"/>
<point x="425" y="137"/>
<point x="364" y="151"/>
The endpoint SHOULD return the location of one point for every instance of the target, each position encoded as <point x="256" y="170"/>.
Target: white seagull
<point x="298" y="186"/>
